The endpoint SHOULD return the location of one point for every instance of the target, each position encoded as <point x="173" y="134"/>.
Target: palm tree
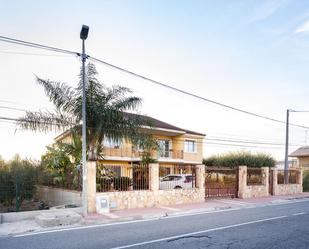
<point x="106" y="109"/>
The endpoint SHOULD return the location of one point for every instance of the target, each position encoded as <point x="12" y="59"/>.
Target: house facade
<point x="179" y="150"/>
<point x="302" y="155"/>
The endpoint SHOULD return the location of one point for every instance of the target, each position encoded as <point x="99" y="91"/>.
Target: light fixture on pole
<point x="83" y="35"/>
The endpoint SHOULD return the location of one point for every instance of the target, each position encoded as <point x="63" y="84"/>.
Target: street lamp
<point x="83" y="36"/>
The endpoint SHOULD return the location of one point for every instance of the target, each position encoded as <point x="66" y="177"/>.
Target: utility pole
<point x="83" y="35"/>
<point x="286" y="160"/>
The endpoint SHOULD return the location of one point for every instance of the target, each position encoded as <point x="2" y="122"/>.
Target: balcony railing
<point x="171" y="154"/>
<point x="128" y="152"/>
<point x="120" y="152"/>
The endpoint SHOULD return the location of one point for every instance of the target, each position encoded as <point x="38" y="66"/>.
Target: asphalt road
<point x="281" y="226"/>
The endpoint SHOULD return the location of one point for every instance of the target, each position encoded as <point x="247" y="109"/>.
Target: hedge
<point x="306" y="181"/>
<point x="235" y="159"/>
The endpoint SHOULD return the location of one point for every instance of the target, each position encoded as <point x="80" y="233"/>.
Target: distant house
<point x="302" y="155"/>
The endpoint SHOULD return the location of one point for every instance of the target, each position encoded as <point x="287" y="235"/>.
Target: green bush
<point x="306" y="181"/>
<point x="232" y="160"/>
<point x="17" y="182"/>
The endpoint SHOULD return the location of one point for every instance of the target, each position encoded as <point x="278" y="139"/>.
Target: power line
<point x="35" y="54"/>
<point x="40" y="46"/>
<point x="238" y="143"/>
<point x="191" y="94"/>
<point x="37" y="45"/>
<point x="12" y="108"/>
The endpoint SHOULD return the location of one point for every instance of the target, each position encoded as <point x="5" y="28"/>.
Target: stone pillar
<point x="242" y="181"/>
<point x="200" y="176"/>
<point x="299" y="180"/>
<point x="91" y="185"/>
<point x="154" y="176"/>
<point x="275" y="181"/>
<point x="265" y="179"/>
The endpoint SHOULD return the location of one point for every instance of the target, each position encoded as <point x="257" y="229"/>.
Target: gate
<point x="221" y="182"/>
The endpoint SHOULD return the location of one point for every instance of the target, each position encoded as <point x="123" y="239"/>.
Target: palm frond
<point x="60" y="94"/>
<point x="45" y="121"/>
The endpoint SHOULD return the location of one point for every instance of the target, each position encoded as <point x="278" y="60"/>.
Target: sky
<point x="253" y="55"/>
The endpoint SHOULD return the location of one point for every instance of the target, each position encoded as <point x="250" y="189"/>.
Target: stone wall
<point x="287" y="189"/>
<point x="149" y="198"/>
<point x="250" y="191"/>
<point x="58" y="196"/>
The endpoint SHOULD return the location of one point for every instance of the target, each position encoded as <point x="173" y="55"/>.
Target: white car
<point x="177" y="181"/>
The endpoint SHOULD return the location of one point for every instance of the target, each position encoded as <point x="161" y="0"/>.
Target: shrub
<point x="232" y="160"/>
<point x="17" y="182"/>
<point x="306" y="181"/>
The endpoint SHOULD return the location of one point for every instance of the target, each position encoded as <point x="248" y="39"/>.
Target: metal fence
<point x="220" y="182"/>
<point x="177" y="177"/>
<point x="72" y="179"/>
<point x="122" y="177"/>
<point x="254" y="176"/>
<point x="16" y="189"/>
<point x="292" y="176"/>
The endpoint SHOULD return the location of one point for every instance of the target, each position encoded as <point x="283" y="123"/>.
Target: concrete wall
<point x="58" y="196"/>
<point x="150" y="198"/>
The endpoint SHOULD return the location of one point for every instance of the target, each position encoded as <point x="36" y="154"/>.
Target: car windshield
<point x="171" y="178"/>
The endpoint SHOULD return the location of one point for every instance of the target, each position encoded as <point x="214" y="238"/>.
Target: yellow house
<point x="179" y="150"/>
<point x="302" y="155"/>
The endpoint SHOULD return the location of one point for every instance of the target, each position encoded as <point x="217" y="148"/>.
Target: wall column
<point x="91" y="184"/>
<point x="154" y="176"/>
<point x="265" y="177"/>
<point x="275" y="181"/>
<point x="200" y="176"/>
<point x="242" y="181"/>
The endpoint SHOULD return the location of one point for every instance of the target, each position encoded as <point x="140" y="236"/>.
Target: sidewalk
<point x="209" y="205"/>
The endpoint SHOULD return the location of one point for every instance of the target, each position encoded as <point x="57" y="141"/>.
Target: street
<point x="283" y="225"/>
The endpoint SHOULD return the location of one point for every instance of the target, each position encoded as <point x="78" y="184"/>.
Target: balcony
<point x="129" y="153"/>
<point x="171" y="154"/>
<point x="120" y="152"/>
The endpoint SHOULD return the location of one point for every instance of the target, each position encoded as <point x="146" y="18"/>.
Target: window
<point x="164" y="148"/>
<point x="116" y="144"/>
<point x="190" y="146"/>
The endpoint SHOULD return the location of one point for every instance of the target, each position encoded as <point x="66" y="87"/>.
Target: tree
<point x="106" y="109"/>
<point x="60" y="164"/>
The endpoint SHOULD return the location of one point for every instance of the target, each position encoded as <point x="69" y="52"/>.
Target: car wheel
<point x="177" y="187"/>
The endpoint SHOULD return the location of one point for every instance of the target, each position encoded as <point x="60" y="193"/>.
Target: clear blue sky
<point x="250" y="54"/>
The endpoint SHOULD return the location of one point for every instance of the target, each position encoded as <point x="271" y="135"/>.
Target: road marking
<point x="199" y="232"/>
<point x="170" y="208"/>
<point x="124" y="222"/>
<point x="146" y="220"/>
<point x="299" y="213"/>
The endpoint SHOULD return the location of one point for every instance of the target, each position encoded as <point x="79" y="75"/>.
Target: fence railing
<point x="220" y="181"/>
<point x="254" y="176"/>
<point x="122" y="177"/>
<point x="292" y="176"/>
<point x="173" y="154"/>
<point x="177" y="177"/>
<point x="121" y="152"/>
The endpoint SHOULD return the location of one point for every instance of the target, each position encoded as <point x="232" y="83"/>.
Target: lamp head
<point x="84" y="32"/>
